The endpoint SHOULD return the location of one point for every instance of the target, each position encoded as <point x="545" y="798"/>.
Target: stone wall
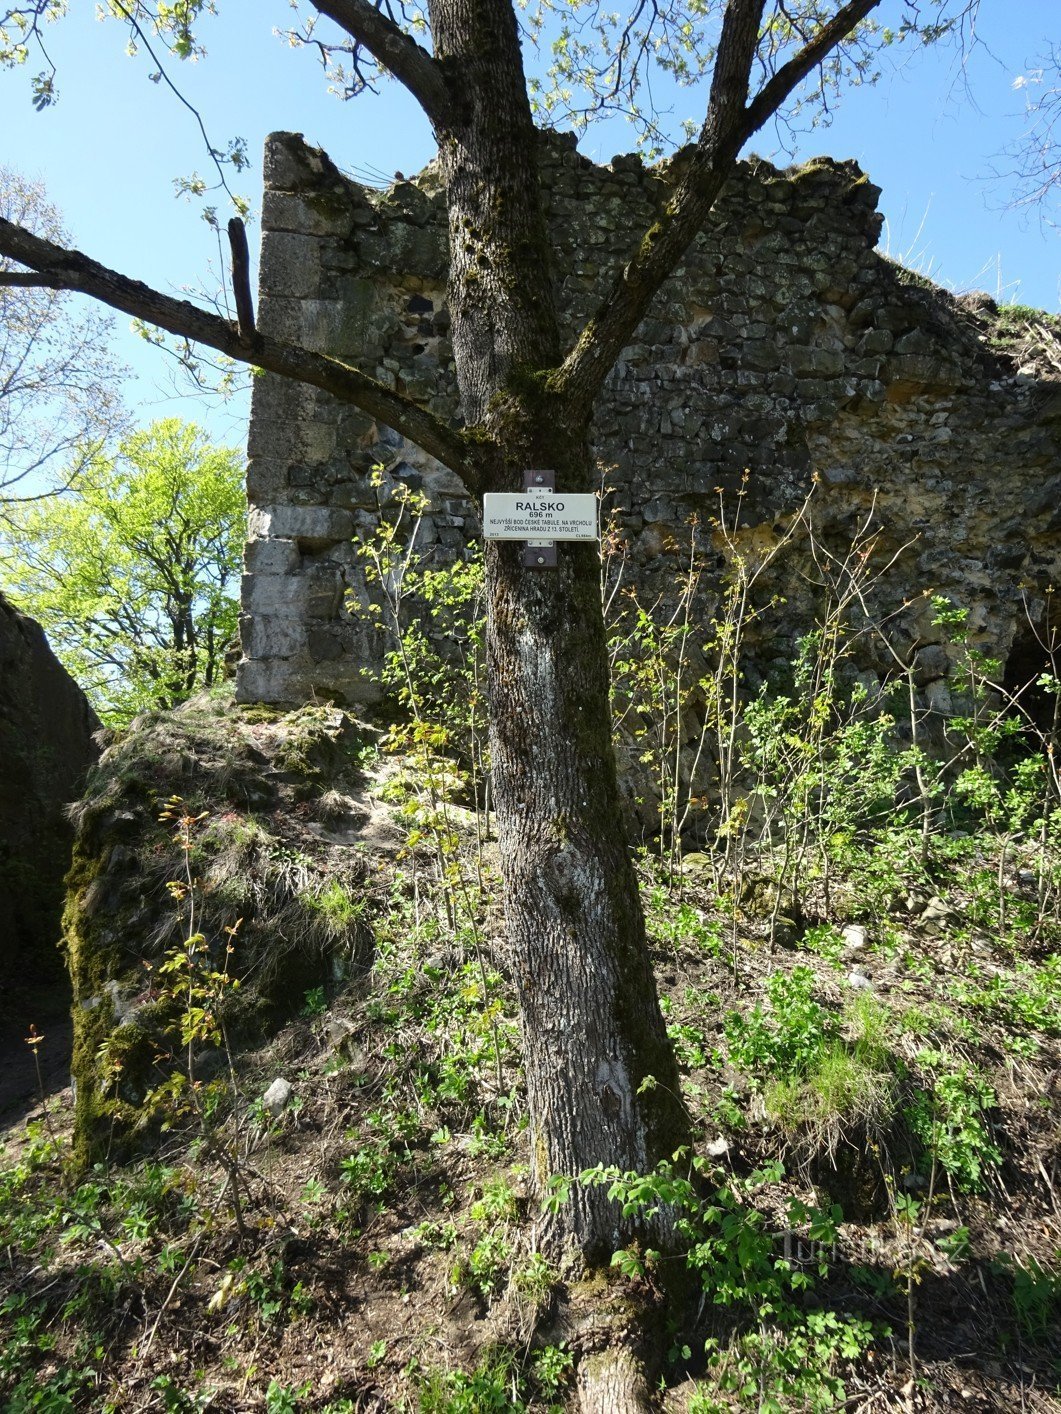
<point x="784" y="351"/>
<point x="46" y="748"/>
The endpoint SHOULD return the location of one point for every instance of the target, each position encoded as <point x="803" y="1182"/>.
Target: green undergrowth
<point x="854" y="911"/>
<point x="854" y="1147"/>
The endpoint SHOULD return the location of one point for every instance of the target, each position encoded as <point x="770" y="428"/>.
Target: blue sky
<point x="928" y="133"/>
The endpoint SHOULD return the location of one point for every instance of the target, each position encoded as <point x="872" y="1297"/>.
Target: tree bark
<point x="592" y="1027"/>
<point x="613" y="1382"/>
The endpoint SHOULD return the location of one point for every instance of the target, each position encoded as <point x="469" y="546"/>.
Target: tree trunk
<point x="613" y="1382"/>
<point x="592" y="1028"/>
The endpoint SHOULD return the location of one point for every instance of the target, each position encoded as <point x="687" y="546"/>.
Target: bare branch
<point x="76" y="271"/>
<point x="774" y="92"/>
<point x="241" y="279"/>
<point x="397" y="51"/>
<point x="730" y="121"/>
<point x="23" y="280"/>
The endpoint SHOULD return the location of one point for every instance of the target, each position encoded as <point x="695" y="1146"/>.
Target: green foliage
<point x="283" y="1399"/>
<point x="787" y="1037"/>
<point x="1036" y="1296"/>
<point x="335" y="904"/>
<point x="950" y="1119"/>
<point x="814" y="1081"/>
<point x="383" y="1152"/>
<point x="498" y="1385"/>
<point x="1028" y="999"/>
<point x="433" y="619"/>
<point x="314" y="1002"/>
<point x="782" y="1352"/>
<point x="679" y="923"/>
<point x="132" y="572"/>
<point x="492" y="1388"/>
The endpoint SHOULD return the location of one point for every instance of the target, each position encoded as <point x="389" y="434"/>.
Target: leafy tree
<point x="59" y="400"/>
<point x="132" y="571"/>
<point x="602" y="1084"/>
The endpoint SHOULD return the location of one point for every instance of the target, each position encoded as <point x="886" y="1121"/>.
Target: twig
<point x="169" y="1296"/>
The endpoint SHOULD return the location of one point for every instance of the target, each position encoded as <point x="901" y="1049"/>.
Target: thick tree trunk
<point x="613" y="1382"/>
<point x="592" y="1027"/>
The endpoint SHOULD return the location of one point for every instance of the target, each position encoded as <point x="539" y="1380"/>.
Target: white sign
<point x="540" y="515"/>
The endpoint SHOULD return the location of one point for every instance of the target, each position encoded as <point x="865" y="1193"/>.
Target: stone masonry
<point x="785" y="350"/>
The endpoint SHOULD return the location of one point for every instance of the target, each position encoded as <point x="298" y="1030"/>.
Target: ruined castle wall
<point x="783" y="352"/>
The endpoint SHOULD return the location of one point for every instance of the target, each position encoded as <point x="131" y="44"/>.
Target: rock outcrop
<point x="278" y="833"/>
<point x="46" y="749"/>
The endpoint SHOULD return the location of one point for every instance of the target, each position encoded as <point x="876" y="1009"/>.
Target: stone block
<point x="276" y="399"/>
<point x="318" y="441"/>
<point x="314" y="214"/>
<point x="916" y="342"/>
<point x="281" y="319"/>
<point x="344" y="679"/>
<point x="815" y="363"/>
<point x="276" y="440"/>
<point x="291" y="264"/>
<point x="310" y="527"/>
<point x="876" y="341"/>
<point x="267" y="480"/>
<point x="274" y="680"/>
<point x="269" y="636"/>
<point x="931" y="663"/>
<point x="924" y="370"/>
<point x="321" y="321"/>
<point x="271" y="557"/>
<point x="316" y="593"/>
<point x="325" y="644"/>
<point x="274" y="594"/>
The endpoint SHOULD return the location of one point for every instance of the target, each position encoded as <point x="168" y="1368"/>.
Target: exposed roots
<point x="616" y="1326"/>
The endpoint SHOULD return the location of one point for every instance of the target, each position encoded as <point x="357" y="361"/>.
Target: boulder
<point x="46" y="748"/>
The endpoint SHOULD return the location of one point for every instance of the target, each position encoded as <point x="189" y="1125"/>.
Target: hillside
<point x="310" y="1191"/>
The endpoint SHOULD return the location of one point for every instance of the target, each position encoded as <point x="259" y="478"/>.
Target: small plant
<point x="498" y="1204"/>
<point x="778" y="1352"/>
<point x="314" y="1002"/>
<point x="194" y="986"/>
<point x="1036" y="1296"/>
<point x="551" y="1368"/>
<point x="950" y="1119"/>
<point x="282" y="1399"/>
<point x="492" y="1388"/>
<point x="814" y="1082"/>
<point x="786" y="1038"/>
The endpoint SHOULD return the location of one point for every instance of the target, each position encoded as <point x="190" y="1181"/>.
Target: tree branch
<point x="241" y="279"/>
<point x="730" y="121"/>
<point x="776" y="89"/>
<point x="22" y="279"/>
<point x="398" y="52"/>
<point x="71" y="270"/>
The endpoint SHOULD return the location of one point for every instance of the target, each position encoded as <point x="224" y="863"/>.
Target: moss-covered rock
<point x="239" y="831"/>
